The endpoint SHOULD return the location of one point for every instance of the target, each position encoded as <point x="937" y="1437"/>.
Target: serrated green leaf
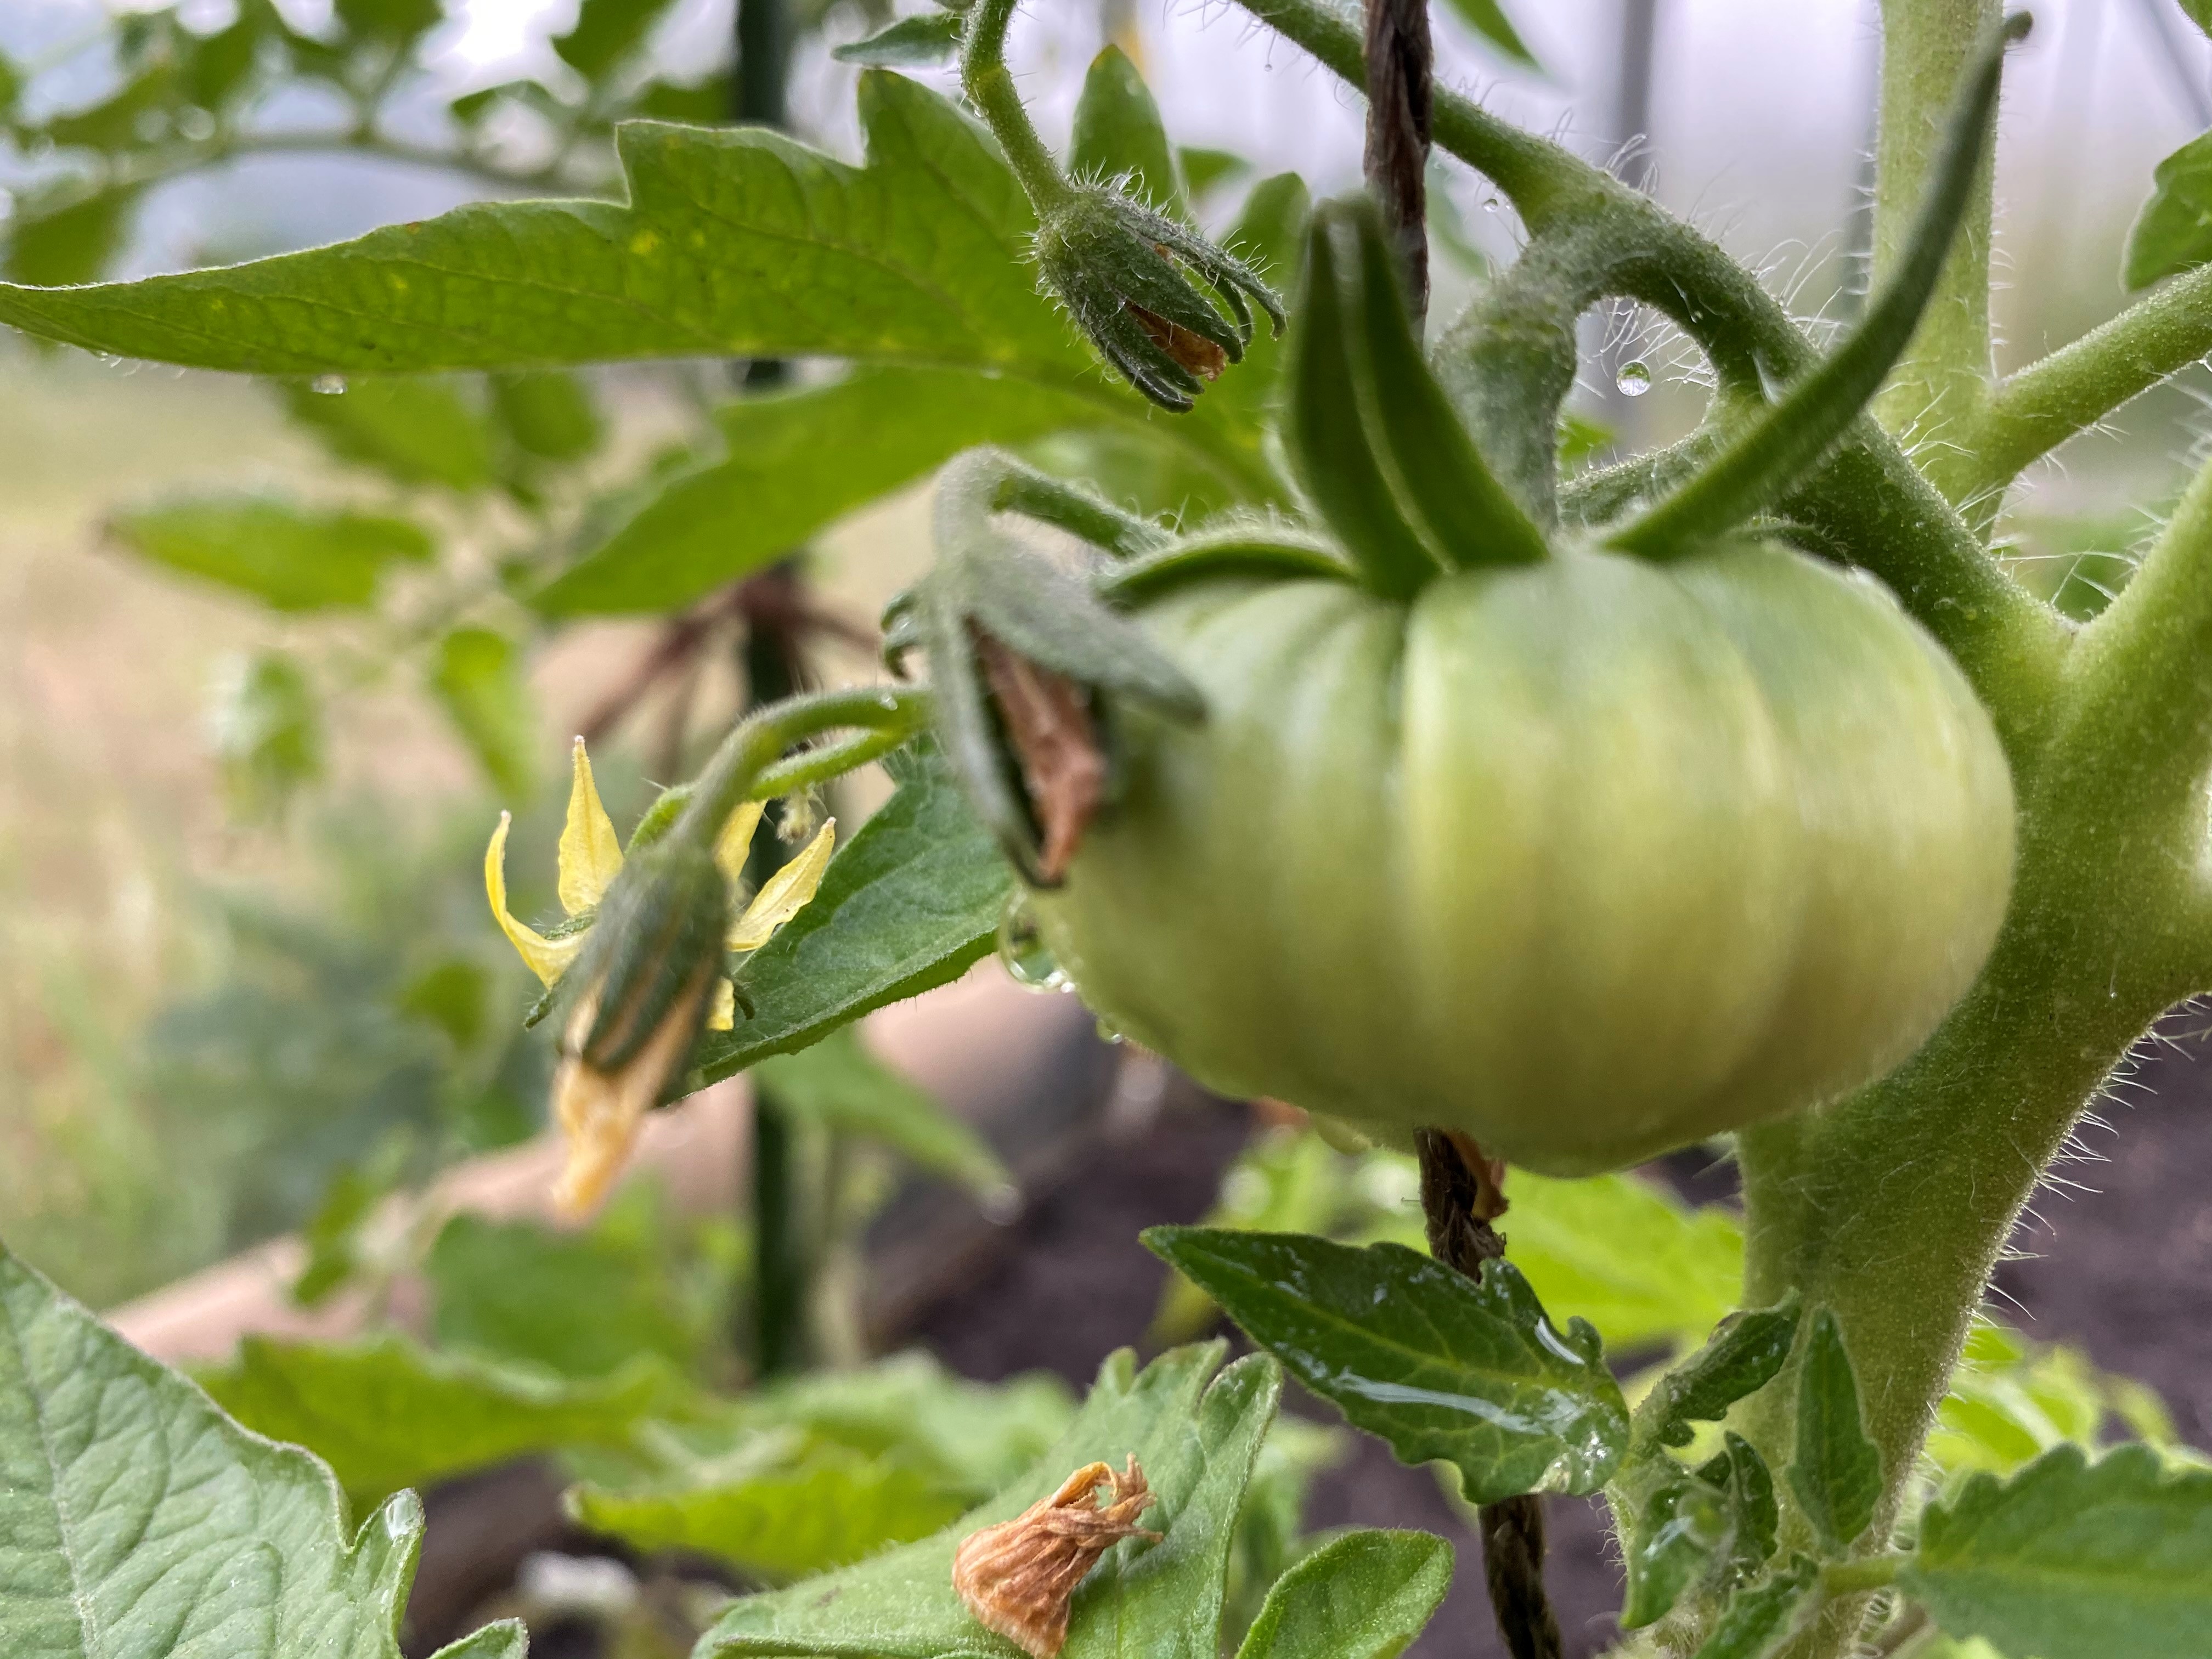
<point x="1118" y="134"/>
<point x="736" y="242"/>
<point x="1756" y="1620"/>
<point x="384" y="1413"/>
<point x="1285" y="1181"/>
<point x="827" y="1510"/>
<point x="70" y="241"/>
<point x="1625" y="1254"/>
<point x="840" y="1084"/>
<point x="606" y="33"/>
<point x="139" y="1524"/>
<point x="1410" y="1350"/>
<point x="1743" y="1355"/>
<point x="1740" y="1475"/>
<point x="478" y="680"/>
<point x="1670" y="1545"/>
<point x="2200" y="12"/>
<point x="413" y="431"/>
<point x="1364" y="1595"/>
<point x="793" y="463"/>
<point x="1837" y="1470"/>
<point x="547" y="414"/>
<point x="909" y="903"/>
<point x="2174" y="232"/>
<point x="582" y="1305"/>
<point x="2009" y="1403"/>
<point x="290" y="556"/>
<point x="1488" y="20"/>
<point x="268" y="731"/>
<point x="2071" y="1559"/>
<point x="1142" y="1600"/>
<point x="929" y="37"/>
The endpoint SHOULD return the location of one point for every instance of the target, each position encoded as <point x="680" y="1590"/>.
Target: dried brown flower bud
<point x="1048" y="718"/>
<point x="1016" y="1577"/>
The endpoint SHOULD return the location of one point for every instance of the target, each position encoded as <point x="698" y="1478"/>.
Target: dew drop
<point x="1028" y="960"/>
<point x="328" y="385"/>
<point x="1107" y="1033"/>
<point x="1490" y="204"/>
<point x="1002" y="1206"/>
<point x="1634" y="378"/>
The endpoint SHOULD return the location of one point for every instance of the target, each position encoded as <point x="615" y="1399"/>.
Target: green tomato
<point x="1590" y="858"/>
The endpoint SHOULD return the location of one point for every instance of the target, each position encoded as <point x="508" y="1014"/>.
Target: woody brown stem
<point x="1399" y="96"/>
<point x="1462" y="1194"/>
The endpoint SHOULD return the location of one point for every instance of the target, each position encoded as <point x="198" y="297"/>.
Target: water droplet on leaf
<point x="1634" y="378"/>
<point x="1028" y="960"/>
<point x="328" y="385"/>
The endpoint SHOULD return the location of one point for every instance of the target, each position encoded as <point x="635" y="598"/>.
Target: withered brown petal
<point x="1048" y="722"/>
<point x="1200" y="356"/>
<point x="1018" y="1577"/>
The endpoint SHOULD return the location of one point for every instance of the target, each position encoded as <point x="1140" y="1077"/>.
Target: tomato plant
<point x="1736" y="790"/>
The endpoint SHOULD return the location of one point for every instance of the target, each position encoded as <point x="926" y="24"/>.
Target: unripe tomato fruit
<point x="1589" y="858"/>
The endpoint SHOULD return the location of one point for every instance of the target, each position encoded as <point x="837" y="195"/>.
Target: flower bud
<point x="649" y="974"/>
<point x="1128" y="276"/>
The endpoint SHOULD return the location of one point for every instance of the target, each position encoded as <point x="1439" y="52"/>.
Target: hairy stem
<point x="2071" y="390"/>
<point x="990" y="86"/>
<point x="1945" y="375"/>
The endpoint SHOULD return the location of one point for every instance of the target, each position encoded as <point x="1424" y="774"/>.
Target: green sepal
<point x="657" y="940"/>
<point x="1262" y="552"/>
<point x="931" y="38"/>
<point x="1469" y="517"/>
<point x="1331" y="447"/>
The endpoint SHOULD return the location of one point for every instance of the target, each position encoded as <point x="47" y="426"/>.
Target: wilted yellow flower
<point x="598" y="1106"/>
<point x="1019" y="1576"/>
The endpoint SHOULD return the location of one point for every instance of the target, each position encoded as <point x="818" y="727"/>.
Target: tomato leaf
<point x="413" y="431"/>
<point x="1718" y="1523"/>
<point x="478" y="680"/>
<point x="1432" y="1361"/>
<point x="2072" y="1559"/>
<point x="141" y="1522"/>
<point x="606" y="33"/>
<point x="384" y="1413"/>
<point x="289" y="556"/>
<point x="1118" y="134"/>
<point x="792" y="463"/>
<point x="1196" y="1444"/>
<point x="2174" y="232"/>
<point x="733" y="242"/>
<point x="1837" y="1470"/>
<point x="2200" y="12"/>
<point x="909" y="903"/>
<point x="578" y="1304"/>
<point x="268" y="731"/>
<point x="60" y="239"/>
<point x="1625" y="1254"/>
<point x="827" y="1509"/>
<point x="1488" y="20"/>
<point x="1758" y="1620"/>
<point x="1362" y="1595"/>
<point x="929" y="37"/>
<point x="839" y="1084"/>
<point x="1743" y="1356"/>
<point x="547" y="414"/>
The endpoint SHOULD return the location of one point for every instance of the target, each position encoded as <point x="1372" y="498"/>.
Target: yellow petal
<point x="784" y="894"/>
<point x="548" y="958"/>
<point x="722" y="1012"/>
<point x="591" y="856"/>
<point x="735" y="844"/>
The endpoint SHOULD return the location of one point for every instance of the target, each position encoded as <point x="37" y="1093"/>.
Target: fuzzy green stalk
<point x="1945" y="375"/>
<point x="990" y="88"/>
<point x="750" y="764"/>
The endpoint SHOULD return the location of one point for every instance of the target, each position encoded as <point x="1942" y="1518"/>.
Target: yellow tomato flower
<point x="599" y="1111"/>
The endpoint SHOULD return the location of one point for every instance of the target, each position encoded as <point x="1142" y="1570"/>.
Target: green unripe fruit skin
<point x="1590" y="858"/>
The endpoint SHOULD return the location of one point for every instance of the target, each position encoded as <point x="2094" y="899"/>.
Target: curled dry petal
<point x="1048" y="720"/>
<point x="598" y="1111"/>
<point x="1018" y="1577"/>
